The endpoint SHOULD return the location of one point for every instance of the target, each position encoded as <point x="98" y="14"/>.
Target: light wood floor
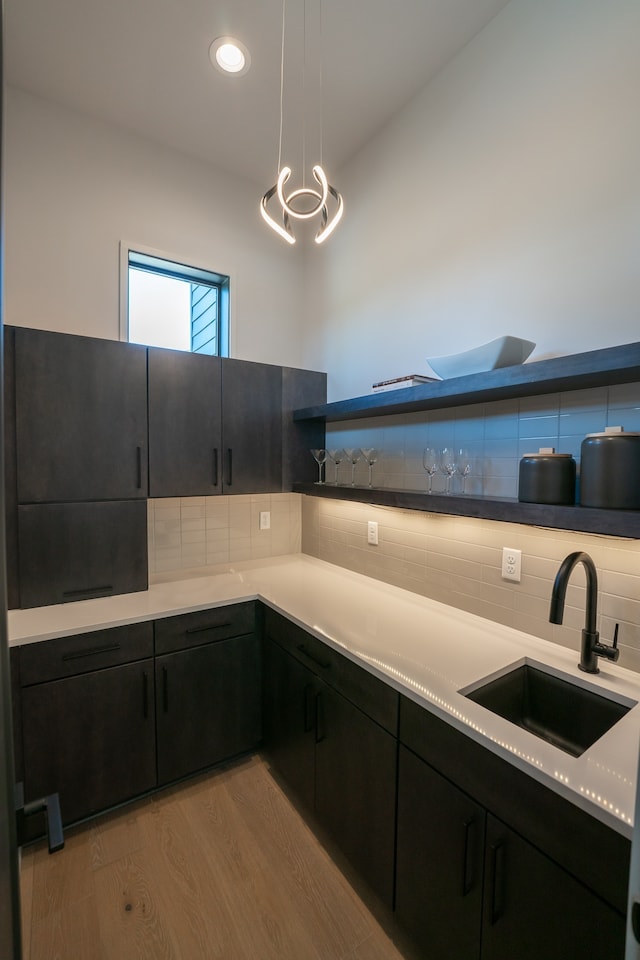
<point x="221" y="867"/>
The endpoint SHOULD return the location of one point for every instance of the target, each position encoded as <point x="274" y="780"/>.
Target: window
<point x="170" y="304"/>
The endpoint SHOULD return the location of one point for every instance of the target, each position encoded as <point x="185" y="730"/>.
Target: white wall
<point x="503" y="199"/>
<point x="75" y="187"/>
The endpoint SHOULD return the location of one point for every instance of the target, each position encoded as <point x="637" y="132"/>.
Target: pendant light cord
<point x="284" y="2"/>
<point x="320" y="91"/>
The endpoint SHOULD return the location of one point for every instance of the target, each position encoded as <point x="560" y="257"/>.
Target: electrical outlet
<point x="372" y="532"/>
<point x="265" y="520"/>
<point x="511" y="564"/>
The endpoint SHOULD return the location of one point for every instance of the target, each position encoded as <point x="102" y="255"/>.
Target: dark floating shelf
<point x="613" y="523"/>
<point x="579" y="371"/>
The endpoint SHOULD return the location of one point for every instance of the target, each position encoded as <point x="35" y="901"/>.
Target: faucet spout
<point x="590" y="647"/>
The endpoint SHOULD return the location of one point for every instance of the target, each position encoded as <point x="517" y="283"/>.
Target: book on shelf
<point x="410" y="380"/>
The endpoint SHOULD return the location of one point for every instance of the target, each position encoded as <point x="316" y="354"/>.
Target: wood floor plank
<point x="222" y="867"/>
<point x="117" y="834"/>
<point x="130" y="922"/>
<point x="67" y="933"/>
<point x="60" y="880"/>
<point x="27" y="870"/>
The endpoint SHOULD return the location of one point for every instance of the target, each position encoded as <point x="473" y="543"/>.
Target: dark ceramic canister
<point x="547" y="477"/>
<point x="610" y="470"/>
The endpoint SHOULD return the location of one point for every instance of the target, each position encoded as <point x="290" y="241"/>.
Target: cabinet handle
<point x="308" y="711"/>
<point x="497" y="881"/>
<point x="88" y="592"/>
<point x="325" y="664"/>
<point x="139" y="467"/>
<point x="321" y="733"/>
<point x="145" y="694"/>
<point x="210" y="626"/>
<point x="93" y="652"/>
<point x="165" y="690"/>
<point x="468" y="857"/>
<point x="215" y="466"/>
<point x="229" y="466"/>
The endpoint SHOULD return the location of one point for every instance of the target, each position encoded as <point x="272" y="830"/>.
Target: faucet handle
<point x="610" y="652"/>
<point x="614" y="642"/>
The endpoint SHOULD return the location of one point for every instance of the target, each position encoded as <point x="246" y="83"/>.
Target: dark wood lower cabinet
<point x="90" y="738"/>
<point x="534" y="910"/>
<point x="355" y="787"/>
<point x="439" y="862"/>
<point x="337" y="760"/>
<point x="289" y="720"/>
<point x="207" y="705"/>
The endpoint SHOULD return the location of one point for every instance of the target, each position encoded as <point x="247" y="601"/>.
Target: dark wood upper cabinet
<point x="77" y="551"/>
<point x="251" y="427"/>
<point x="81" y="418"/>
<point x="185" y="429"/>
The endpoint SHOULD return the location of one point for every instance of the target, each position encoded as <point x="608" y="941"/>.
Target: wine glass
<point x="463" y="462"/>
<point x="336" y="457"/>
<point x="448" y="465"/>
<point x="319" y="456"/>
<point x="431" y="463"/>
<point x="353" y="455"/>
<point x="371" y="455"/>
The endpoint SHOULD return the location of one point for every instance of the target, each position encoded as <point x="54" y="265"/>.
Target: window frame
<point x="189" y="273"/>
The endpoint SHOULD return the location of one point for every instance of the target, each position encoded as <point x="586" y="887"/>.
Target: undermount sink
<point x="568" y="715"/>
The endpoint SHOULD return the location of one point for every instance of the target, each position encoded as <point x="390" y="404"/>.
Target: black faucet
<point x="590" y="648"/>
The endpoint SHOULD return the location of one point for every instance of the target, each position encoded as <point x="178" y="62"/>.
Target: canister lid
<point x="546" y="452"/>
<point x="614" y="432"/>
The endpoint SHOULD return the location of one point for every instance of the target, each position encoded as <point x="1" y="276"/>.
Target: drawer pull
<point x="139" y="467"/>
<point x="93" y="652"/>
<point x="88" y="592"/>
<point x="229" y="467"/>
<point x="215" y="466"/>
<point x="145" y="694"/>
<point x="319" y="663"/>
<point x="210" y="626"/>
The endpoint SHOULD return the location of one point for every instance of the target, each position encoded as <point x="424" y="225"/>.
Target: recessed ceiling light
<point x="230" y="56"/>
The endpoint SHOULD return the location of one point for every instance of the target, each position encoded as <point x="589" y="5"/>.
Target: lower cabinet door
<point x="355" y="797"/>
<point x="439" y="862"/>
<point x="90" y="738"/>
<point x="289" y="705"/>
<point x="534" y="910"/>
<point x="207" y="705"/>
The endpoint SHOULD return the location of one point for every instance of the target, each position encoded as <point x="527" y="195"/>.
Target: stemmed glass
<point x="448" y="465"/>
<point x="463" y="462"/>
<point x="353" y="455"/>
<point x="319" y="456"/>
<point x="336" y="457"/>
<point x="431" y="463"/>
<point x="371" y="455"/>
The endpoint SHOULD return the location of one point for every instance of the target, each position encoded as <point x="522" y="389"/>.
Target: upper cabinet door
<point x="185" y="436"/>
<point x="81" y="418"/>
<point x="251" y="427"/>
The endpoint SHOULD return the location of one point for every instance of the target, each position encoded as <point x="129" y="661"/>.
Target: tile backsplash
<point x="496" y="434"/>
<point x="457" y="560"/>
<point x="191" y="532"/>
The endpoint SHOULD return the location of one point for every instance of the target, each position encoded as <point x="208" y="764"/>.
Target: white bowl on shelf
<point x="502" y="352"/>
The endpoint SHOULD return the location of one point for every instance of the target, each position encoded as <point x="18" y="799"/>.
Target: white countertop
<point x="423" y="648"/>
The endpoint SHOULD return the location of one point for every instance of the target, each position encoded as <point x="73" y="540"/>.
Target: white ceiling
<point x="143" y="64"/>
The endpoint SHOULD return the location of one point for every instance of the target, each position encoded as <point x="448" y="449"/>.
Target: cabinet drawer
<point x="204" y="626"/>
<point x="68" y="656"/>
<point x="369" y="693"/>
